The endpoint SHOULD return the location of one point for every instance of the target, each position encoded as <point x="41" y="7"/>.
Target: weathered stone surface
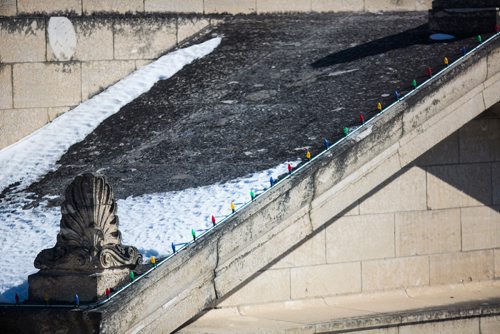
<point x="188" y="27"/>
<point x="8" y="8"/>
<point x="362" y="237"/>
<point x="6" y="84"/>
<point x="93" y="80"/>
<point x="464" y="326"/>
<point x="480" y="228"/>
<point x="325" y="280"/>
<point x="88" y="256"/>
<point x="94" y="39"/>
<point x="185" y="6"/>
<point x="112" y="6"/>
<point x="23" y="40"/>
<point x="427" y="232"/>
<point x="444" y="153"/>
<point x="55" y="112"/>
<point x="395" y="273"/>
<point x="405" y="193"/>
<point x="144" y="38"/>
<point x="280" y="6"/>
<point x="272" y="285"/>
<point x="491" y="87"/>
<point x="480" y="141"/>
<point x="312" y="252"/>
<point x="18" y="123"/>
<point x="461" y="267"/>
<point x="46" y="84"/>
<point x="230" y="6"/>
<point x="490" y="325"/>
<point x="455" y="186"/>
<point x="62" y="287"/>
<point x="337" y="5"/>
<point x="49" y="6"/>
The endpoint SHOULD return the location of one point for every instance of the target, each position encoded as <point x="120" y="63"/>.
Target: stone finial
<point x="88" y="253"/>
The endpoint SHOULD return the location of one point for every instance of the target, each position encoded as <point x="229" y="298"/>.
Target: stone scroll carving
<point x="89" y="239"/>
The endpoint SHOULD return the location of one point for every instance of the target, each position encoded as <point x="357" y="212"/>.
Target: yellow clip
<point x="232" y="205"/>
<point x="153" y="260"/>
<point x="379" y="106"/>
<point x="308" y="155"/>
<point x="445" y="61"/>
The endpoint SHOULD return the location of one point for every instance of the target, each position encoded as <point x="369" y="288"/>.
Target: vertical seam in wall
<point x="81" y="81"/>
<point x="46" y="31"/>
<point x="364" y="5"/>
<point x="177" y="31"/>
<point x="144" y="6"/>
<point x="113" y="36"/>
<point x="491" y="183"/>
<point x="12" y="85"/>
<point x="81" y="9"/>
<point x="256" y="10"/>
<point x="429" y="264"/>
<point x="203" y="6"/>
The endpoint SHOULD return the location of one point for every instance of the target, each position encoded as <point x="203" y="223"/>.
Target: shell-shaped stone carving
<point x="89" y="238"/>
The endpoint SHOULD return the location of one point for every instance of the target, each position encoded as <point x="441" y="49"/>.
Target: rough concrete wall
<point x="437" y="222"/>
<point x="87" y="7"/>
<point x="49" y="65"/>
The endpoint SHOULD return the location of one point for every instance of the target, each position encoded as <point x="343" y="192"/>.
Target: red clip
<point x="429" y="71"/>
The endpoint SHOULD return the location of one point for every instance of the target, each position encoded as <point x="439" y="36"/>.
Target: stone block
<point x="427" y="232"/>
<point x="187" y="27"/>
<point x="490" y="325"/>
<point x="454" y="186"/>
<point x="94" y="39"/>
<point x="142" y="62"/>
<point x="98" y="75"/>
<point x="311" y="252"/>
<point x="389" y="5"/>
<point x="23" y="40"/>
<point x="112" y="6"/>
<point x="362" y="237"/>
<point x="281" y="6"/>
<point x="423" y="5"/>
<point x="230" y="6"/>
<point x="460" y="326"/>
<point x="337" y="5"/>
<point x="341" y="195"/>
<point x="53" y="113"/>
<point x="480" y="141"/>
<point x="494" y="62"/>
<point x="462" y="267"/>
<point x="18" y="123"/>
<point x="443" y="153"/>
<point x="480" y="228"/>
<point x="49" y="7"/>
<point x="325" y="280"/>
<point x="491" y="88"/>
<point x="144" y="38"/>
<point x="497" y="263"/>
<point x="407" y="192"/>
<point x="46" y="84"/>
<point x="395" y="273"/>
<point x="269" y="286"/>
<point x="495" y="171"/>
<point x="8" y="8"/>
<point x="62" y="287"/>
<point x="176" y="6"/>
<point x="6" y="84"/>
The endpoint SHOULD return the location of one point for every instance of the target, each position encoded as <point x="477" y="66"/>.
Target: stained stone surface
<point x="88" y="256"/>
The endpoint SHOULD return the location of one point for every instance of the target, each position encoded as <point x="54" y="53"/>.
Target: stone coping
<point x="355" y="312"/>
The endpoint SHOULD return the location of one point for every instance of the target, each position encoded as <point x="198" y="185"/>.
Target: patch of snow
<point x="36" y="155"/>
<point x="150" y="222"/>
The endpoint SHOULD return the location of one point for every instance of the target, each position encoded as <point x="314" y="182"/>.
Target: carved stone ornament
<point x="89" y="239"/>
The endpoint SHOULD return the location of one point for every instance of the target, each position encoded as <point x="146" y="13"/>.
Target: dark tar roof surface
<point x="276" y="85"/>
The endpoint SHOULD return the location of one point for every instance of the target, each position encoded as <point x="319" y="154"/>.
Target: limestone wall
<point x="87" y="7"/>
<point x="49" y="65"/>
<point x="436" y="222"/>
